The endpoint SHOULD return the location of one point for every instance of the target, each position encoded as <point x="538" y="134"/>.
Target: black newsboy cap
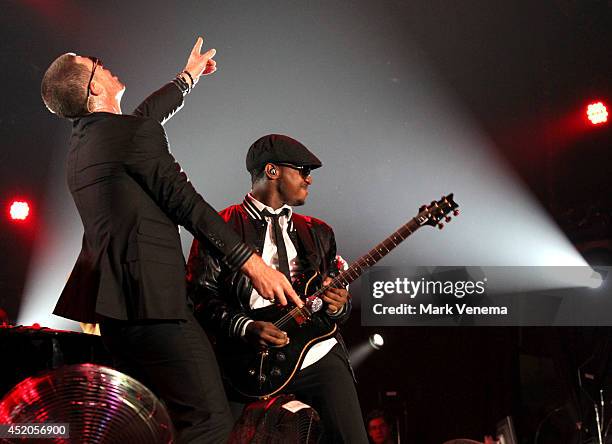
<point x="276" y="148"/>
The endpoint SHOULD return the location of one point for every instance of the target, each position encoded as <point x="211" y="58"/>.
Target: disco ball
<point x="101" y="405"/>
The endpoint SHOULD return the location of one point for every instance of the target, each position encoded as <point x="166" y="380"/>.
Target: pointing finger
<point x="198" y="46"/>
<point x="290" y="292"/>
<point x="280" y="296"/>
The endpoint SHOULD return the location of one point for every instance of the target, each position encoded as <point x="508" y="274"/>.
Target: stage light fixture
<point x="376" y="341"/>
<point x="597" y="113"/>
<point x="19" y="210"/>
<point x="597" y="279"/>
<point x="360" y="353"/>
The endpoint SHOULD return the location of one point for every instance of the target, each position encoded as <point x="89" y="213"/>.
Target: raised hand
<point x="200" y="64"/>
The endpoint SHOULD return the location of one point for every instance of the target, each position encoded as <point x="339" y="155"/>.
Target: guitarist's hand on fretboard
<point x="335" y="298"/>
<point x="265" y="334"/>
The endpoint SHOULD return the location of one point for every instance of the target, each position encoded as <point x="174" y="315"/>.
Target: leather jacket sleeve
<point x="205" y="275"/>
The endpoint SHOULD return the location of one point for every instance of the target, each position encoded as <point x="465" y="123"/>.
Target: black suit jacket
<point x="131" y="194"/>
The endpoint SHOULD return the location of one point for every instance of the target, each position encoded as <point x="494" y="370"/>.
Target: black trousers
<point x="176" y="361"/>
<point x="328" y="387"/>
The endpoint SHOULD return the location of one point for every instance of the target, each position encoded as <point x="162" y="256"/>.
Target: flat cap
<point x="276" y="148"/>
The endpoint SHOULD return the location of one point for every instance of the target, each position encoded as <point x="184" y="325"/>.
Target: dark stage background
<point x="403" y="101"/>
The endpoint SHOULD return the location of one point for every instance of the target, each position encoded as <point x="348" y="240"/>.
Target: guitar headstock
<point x="434" y="213"/>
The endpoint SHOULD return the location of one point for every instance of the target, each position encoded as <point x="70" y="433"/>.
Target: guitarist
<point x="291" y="243"/>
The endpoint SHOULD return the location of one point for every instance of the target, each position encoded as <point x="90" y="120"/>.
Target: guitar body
<point x="263" y="372"/>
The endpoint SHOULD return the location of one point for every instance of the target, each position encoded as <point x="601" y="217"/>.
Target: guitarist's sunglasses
<point x="304" y="170"/>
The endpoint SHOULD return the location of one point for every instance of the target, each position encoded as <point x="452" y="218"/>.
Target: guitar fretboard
<point x="429" y="215"/>
<point x="374" y="255"/>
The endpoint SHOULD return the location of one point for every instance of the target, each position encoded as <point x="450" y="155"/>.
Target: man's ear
<point x="272" y="171"/>
<point x="96" y="88"/>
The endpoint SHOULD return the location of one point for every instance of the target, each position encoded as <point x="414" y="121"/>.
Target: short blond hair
<point x="64" y="87"/>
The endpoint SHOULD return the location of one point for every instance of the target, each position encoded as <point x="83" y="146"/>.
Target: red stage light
<point x="597" y="113"/>
<point x="19" y="210"/>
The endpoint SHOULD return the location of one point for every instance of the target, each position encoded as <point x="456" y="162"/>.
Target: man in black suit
<point x="130" y="275"/>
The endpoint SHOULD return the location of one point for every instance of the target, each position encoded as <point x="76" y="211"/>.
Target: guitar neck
<point x="428" y="215"/>
<point x="375" y="254"/>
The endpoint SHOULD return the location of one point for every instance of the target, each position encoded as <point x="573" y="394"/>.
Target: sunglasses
<point x="96" y="61"/>
<point x="303" y="170"/>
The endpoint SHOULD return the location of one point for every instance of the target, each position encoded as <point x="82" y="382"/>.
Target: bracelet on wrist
<point x="190" y="78"/>
<point x="182" y="84"/>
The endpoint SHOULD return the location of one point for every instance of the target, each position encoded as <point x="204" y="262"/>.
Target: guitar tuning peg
<point x="422" y="207"/>
<point x="456" y="213"/>
<point x="433" y="202"/>
<point x="448" y="218"/>
<point x="440" y="225"/>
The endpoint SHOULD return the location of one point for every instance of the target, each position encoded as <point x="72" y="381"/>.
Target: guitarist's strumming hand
<point x="335" y="298"/>
<point x="269" y="283"/>
<point x="266" y="334"/>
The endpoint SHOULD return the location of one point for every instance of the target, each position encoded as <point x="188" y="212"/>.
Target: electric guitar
<point x="263" y="372"/>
